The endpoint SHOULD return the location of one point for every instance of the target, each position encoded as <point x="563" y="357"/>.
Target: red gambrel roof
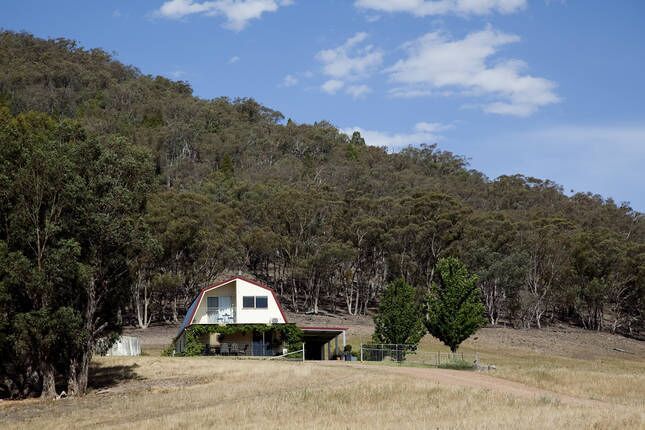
<point x="198" y="299"/>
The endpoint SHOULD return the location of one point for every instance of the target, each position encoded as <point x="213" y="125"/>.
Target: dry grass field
<point x="558" y="378"/>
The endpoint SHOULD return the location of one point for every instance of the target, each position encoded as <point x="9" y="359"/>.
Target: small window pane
<point x="212" y="302"/>
<point x="248" y="302"/>
<point x="261" y="302"/>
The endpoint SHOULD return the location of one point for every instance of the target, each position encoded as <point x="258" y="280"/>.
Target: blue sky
<point x="547" y="88"/>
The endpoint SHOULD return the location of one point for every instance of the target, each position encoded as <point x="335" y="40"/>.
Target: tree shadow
<point x="109" y="376"/>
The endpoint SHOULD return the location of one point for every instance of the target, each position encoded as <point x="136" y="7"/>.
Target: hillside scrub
<point x="231" y="185"/>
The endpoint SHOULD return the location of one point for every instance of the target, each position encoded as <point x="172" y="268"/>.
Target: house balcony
<point x="221" y="316"/>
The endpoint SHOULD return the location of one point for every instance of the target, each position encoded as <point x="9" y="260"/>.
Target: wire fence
<point x="386" y="351"/>
<point x="409" y="353"/>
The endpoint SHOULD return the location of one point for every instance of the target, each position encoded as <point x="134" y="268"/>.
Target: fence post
<point x="303" y="352"/>
<point x="361" y="352"/>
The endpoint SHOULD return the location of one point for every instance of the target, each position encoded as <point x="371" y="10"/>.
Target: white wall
<point x="251" y="316"/>
<point x="225" y="290"/>
<point x="239" y="288"/>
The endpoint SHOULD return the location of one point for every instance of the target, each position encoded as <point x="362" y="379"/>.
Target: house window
<point x="212" y="304"/>
<point x="261" y="302"/>
<point x="248" y="302"/>
<point x="255" y="302"/>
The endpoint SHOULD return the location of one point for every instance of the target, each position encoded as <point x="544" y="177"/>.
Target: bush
<point x="168" y="351"/>
<point x="457" y="364"/>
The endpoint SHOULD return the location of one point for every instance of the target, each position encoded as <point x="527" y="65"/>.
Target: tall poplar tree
<point x="454" y="310"/>
<point x="399" y="316"/>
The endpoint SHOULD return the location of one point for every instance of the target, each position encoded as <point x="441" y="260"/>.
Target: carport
<point x="318" y="342"/>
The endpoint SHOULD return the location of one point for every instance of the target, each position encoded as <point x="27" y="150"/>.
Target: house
<point x="240" y="316"/>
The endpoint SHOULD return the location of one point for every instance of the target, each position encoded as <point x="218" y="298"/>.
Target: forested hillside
<point x="230" y="185"/>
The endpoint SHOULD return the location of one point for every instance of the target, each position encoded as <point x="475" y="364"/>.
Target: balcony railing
<point x="220" y="317"/>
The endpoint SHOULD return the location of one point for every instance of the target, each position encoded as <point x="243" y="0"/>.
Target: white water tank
<point x="125" y="346"/>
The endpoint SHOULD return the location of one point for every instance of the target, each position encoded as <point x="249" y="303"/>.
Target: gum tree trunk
<point x="72" y="381"/>
<point x="82" y="366"/>
<point x="49" y="382"/>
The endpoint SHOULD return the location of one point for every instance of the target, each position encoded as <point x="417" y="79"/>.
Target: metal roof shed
<point x="318" y="342"/>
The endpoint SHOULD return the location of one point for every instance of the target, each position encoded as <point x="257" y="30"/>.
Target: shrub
<point x="168" y="351"/>
<point x="457" y="364"/>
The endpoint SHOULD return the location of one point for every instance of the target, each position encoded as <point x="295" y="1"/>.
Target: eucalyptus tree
<point x="71" y="208"/>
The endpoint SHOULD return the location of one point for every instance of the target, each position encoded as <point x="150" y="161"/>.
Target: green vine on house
<point x="195" y="346"/>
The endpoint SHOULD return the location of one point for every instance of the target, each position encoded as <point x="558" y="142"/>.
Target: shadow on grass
<point x="109" y="376"/>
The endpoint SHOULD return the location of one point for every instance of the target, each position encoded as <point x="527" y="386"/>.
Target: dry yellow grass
<point x="206" y="392"/>
<point x="589" y="386"/>
<point x="568" y="361"/>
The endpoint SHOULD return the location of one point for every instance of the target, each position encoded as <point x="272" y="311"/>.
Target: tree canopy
<point x="71" y="209"/>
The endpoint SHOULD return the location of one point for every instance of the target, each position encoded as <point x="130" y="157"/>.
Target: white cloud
<point x="436" y="61"/>
<point x="332" y="86"/>
<point x="408" y="92"/>
<point x="177" y="74"/>
<point x="351" y="61"/>
<point x="234" y="59"/>
<point x="237" y="12"/>
<point x="289" y="81"/>
<point x="423" y="132"/>
<point x="179" y="8"/>
<point x="443" y="7"/>
<point x="358" y="91"/>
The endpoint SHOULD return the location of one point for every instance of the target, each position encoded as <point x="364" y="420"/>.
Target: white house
<point x="234" y="304"/>
<point x="237" y="301"/>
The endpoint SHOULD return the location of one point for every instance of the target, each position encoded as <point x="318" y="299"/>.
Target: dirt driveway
<point x="475" y="380"/>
